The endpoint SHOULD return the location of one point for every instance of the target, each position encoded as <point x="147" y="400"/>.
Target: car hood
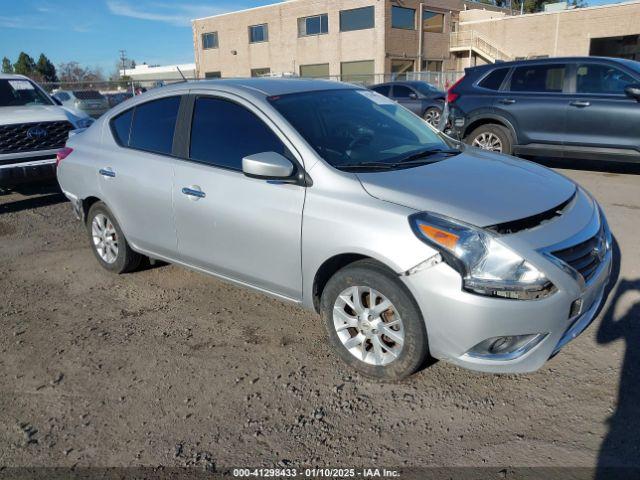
<point x="479" y="188"/>
<point x="38" y="113"/>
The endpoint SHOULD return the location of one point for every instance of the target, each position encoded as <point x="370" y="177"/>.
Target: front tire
<point x="491" y="137"/>
<point x="373" y="323"/>
<point x="432" y="116"/>
<point x="108" y="242"/>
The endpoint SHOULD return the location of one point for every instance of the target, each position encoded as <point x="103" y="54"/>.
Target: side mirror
<point x="413" y="96"/>
<point x="267" y="166"/>
<point x="633" y="91"/>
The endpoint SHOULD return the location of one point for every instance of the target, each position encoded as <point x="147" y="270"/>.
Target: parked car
<point x="117" y="98"/>
<point x="32" y="130"/>
<point x="420" y="97"/>
<point x="335" y="198"/>
<point x="92" y="102"/>
<point x="583" y="107"/>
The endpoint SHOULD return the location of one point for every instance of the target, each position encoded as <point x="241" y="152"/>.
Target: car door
<point x="535" y="103"/>
<point x="242" y="228"/>
<point x="600" y="114"/>
<point x="136" y="174"/>
<point x="407" y="97"/>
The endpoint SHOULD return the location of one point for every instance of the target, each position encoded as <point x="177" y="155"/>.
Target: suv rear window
<point x="88" y="95"/>
<point x="494" y="80"/>
<point x="538" y="78"/>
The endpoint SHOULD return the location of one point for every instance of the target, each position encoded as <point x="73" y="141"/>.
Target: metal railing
<point x="472" y="40"/>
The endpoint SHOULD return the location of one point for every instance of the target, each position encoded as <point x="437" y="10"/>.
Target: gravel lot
<point x="169" y="367"/>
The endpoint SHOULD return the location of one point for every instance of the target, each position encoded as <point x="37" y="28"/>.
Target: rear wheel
<point x="107" y="241"/>
<point x="491" y="137"/>
<point x="373" y="323"/>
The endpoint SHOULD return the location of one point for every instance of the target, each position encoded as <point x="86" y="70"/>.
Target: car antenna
<point x="184" y="79"/>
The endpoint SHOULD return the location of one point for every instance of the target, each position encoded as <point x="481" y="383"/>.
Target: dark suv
<point x="584" y="107"/>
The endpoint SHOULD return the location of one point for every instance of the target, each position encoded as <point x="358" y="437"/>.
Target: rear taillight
<point x="62" y="154"/>
<point x="452" y="95"/>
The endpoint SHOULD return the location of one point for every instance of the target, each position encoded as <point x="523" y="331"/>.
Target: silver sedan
<point x="408" y="244"/>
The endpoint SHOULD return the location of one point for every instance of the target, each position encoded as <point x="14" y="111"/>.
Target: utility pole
<point x="123" y="59"/>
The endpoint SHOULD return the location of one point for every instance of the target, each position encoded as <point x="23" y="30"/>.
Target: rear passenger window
<point x="538" y="78"/>
<point x="494" y="80"/>
<point x="153" y="125"/>
<point x="223" y="133"/>
<point x="121" y="127"/>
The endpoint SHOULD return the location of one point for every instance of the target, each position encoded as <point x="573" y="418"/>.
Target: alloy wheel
<point x="368" y="325"/>
<point x="432" y="117"/>
<point x="105" y="238"/>
<point x="488" y="141"/>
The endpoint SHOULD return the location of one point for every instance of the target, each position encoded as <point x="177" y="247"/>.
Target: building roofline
<point x="573" y="10"/>
<point x="271" y="5"/>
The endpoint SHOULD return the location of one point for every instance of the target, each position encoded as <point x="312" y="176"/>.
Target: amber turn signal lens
<point x="441" y="237"/>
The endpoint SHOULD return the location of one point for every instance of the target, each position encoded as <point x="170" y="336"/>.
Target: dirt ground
<point x="170" y="367"/>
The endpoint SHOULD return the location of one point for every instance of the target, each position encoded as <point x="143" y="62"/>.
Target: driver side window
<point x="223" y="133"/>
<point x="601" y="79"/>
<point x="400" y="91"/>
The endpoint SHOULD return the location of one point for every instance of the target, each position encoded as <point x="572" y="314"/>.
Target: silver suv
<point x="338" y="199"/>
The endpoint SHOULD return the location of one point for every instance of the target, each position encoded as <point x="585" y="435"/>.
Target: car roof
<point x="264" y="86"/>
<point x="12" y="76"/>
<point x="548" y="60"/>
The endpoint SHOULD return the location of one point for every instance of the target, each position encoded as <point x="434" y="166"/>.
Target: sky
<point x="92" y="32"/>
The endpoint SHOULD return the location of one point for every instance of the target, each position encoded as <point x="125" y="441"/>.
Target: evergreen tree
<point x="25" y="65"/>
<point x="46" y="69"/>
<point x="6" y="65"/>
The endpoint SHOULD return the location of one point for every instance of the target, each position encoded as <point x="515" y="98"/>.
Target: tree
<point x="74" y="73"/>
<point x="46" y="69"/>
<point x="25" y="65"/>
<point x="7" y="67"/>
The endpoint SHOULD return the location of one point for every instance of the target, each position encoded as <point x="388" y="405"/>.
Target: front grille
<point x="584" y="257"/>
<point x="32" y="137"/>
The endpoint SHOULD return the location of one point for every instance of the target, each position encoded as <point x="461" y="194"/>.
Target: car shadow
<point x="619" y="455"/>
<point x="38" y="195"/>
<point x="588" y="165"/>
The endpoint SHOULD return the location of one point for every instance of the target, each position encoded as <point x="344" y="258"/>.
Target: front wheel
<point x="108" y="242"/>
<point x="432" y="116"/>
<point x="373" y="323"/>
<point x="491" y="137"/>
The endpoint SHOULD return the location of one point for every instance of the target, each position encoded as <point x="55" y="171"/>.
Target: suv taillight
<point x="62" y="154"/>
<point x="452" y="95"/>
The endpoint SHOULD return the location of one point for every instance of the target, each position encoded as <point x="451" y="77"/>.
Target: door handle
<point x="507" y="101"/>
<point x="194" y="192"/>
<point x="580" y="104"/>
<point x="107" y="172"/>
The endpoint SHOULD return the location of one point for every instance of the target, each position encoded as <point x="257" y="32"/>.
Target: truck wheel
<point x="373" y="323"/>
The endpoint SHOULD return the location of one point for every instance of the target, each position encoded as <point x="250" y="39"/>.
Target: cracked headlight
<point x="486" y="265"/>
<point x="84" y="122"/>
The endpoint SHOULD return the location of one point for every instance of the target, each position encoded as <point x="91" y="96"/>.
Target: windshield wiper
<point x="368" y="166"/>
<point x="426" y="153"/>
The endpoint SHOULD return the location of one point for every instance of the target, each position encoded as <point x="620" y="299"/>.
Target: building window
<point x="260" y="72"/>
<point x="209" y="40"/>
<point x="212" y="75"/>
<point x="316" y="25"/>
<point x="319" y="70"/>
<point x="358" y="72"/>
<point x="432" y="22"/>
<point x="357" y="19"/>
<point x="404" y="18"/>
<point x="432" y="65"/>
<point x="258" y="33"/>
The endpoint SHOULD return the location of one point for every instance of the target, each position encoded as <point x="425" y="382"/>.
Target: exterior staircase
<point x="470" y="40"/>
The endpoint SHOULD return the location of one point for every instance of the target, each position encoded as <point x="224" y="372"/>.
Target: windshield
<point x="358" y="127"/>
<point x="20" y="93"/>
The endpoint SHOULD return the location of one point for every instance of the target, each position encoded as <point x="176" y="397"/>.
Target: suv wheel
<point x="492" y="137"/>
<point x="432" y="116"/>
<point x="373" y="323"/>
<point x="108" y="242"/>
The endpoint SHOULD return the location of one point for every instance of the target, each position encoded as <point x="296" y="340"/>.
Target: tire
<point x="392" y="360"/>
<point x="432" y="116"/>
<point x="485" y="134"/>
<point x="123" y="259"/>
